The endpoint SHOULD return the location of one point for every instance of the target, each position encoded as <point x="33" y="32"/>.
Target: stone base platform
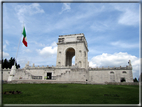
<point x="49" y="81"/>
<point x="65" y="82"/>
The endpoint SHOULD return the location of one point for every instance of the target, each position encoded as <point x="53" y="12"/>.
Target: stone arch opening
<point x="70" y="53"/>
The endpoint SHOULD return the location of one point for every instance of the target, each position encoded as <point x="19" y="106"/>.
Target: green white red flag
<point x="24" y="37"/>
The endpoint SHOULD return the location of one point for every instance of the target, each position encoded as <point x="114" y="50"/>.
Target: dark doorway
<point x="123" y="80"/>
<point x="49" y="75"/>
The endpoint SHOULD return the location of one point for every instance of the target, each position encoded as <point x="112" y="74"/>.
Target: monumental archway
<point x="70" y="52"/>
<point x="70" y="46"/>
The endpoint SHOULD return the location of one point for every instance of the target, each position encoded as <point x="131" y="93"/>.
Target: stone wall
<point x="73" y="73"/>
<point x="5" y="74"/>
<point x="22" y="74"/>
<point x="60" y="74"/>
<point x="102" y="76"/>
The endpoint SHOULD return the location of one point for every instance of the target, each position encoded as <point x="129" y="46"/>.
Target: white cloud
<point x="125" y="45"/>
<point x="65" y="7"/>
<point x="129" y="18"/>
<point x="93" y="65"/>
<point x="24" y="10"/>
<point x="54" y="44"/>
<point x="130" y="13"/>
<point x="116" y="59"/>
<point x="48" y="51"/>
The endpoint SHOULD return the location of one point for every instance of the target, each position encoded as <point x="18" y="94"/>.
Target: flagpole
<point x="17" y="49"/>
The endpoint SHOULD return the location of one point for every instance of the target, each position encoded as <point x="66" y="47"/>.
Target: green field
<point x="71" y="94"/>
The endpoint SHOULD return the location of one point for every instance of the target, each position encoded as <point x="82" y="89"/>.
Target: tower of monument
<point x="70" y="46"/>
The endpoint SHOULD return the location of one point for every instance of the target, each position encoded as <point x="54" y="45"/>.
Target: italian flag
<point x="24" y="37"/>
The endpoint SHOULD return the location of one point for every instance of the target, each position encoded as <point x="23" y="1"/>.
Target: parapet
<point x="128" y="67"/>
<point x="111" y="68"/>
<point x="72" y="35"/>
<point x="27" y="66"/>
<point x="39" y="67"/>
<point x="72" y="38"/>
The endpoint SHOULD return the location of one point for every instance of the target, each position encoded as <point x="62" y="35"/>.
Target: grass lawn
<point x="71" y="94"/>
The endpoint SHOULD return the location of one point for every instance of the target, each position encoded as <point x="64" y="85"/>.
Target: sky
<point x="111" y="31"/>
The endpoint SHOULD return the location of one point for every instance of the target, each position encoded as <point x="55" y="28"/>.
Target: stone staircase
<point x="23" y="74"/>
<point x="62" y="76"/>
<point x="72" y="75"/>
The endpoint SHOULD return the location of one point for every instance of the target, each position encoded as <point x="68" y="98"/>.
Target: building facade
<point x="68" y="47"/>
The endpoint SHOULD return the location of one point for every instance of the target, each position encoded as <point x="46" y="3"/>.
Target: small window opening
<point x="123" y="80"/>
<point x="112" y="72"/>
<point x="124" y="72"/>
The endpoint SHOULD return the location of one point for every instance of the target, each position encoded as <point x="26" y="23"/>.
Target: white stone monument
<point x="12" y="73"/>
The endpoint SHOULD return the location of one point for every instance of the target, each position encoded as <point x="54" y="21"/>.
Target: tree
<point x="5" y="63"/>
<point x="11" y="62"/>
<point x="17" y="66"/>
<point x="135" y="80"/>
<point x="8" y="64"/>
